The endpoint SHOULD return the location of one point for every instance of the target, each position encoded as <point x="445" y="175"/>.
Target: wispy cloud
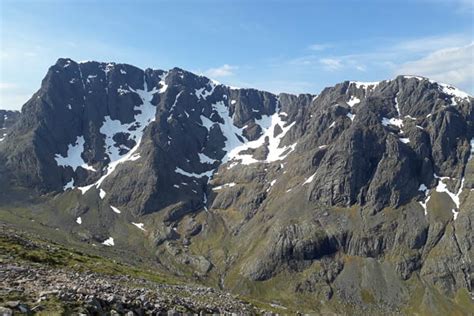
<point x="447" y="58"/>
<point x="427" y="44"/>
<point x="453" y="65"/>
<point x="223" y="71"/>
<point x="331" y="64"/>
<point x="319" y="46"/>
<point x="7" y="85"/>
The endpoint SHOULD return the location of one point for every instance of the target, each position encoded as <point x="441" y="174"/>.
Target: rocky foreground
<point x="28" y="287"/>
<point x="91" y="293"/>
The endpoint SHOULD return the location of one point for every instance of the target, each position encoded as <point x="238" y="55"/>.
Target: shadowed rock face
<point x="175" y="144"/>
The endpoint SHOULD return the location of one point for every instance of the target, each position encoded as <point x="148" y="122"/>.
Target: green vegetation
<point x="41" y="252"/>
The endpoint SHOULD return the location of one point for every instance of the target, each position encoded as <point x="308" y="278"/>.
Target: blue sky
<point x="280" y="46"/>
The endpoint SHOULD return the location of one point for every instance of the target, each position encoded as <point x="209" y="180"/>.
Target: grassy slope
<point x="52" y="218"/>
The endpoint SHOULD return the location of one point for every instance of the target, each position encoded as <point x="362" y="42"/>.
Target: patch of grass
<point x="39" y="257"/>
<point x="12" y="296"/>
<point x="367" y="297"/>
<point x="39" y="252"/>
<point x="463" y="300"/>
<point x="53" y="306"/>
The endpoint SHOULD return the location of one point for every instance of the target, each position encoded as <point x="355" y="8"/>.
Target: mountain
<point x="357" y="199"/>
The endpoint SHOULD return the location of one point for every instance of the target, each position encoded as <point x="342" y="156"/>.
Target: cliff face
<point x="350" y="192"/>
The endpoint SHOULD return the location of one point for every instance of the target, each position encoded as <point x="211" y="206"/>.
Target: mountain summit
<point x="358" y="198"/>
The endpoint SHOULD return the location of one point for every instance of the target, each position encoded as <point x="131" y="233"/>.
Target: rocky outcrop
<point x="41" y="286"/>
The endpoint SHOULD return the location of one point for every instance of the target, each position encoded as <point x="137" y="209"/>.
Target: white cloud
<point x="223" y="71"/>
<point x="319" y="47"/>
<point x="453" y="65"/>
<point x="331" y="63"/>
<point x="429" y="44"/>
<point x="446" y="58"/>
<point x="7" y="85"/>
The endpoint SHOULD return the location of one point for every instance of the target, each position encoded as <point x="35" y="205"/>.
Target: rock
<point x="4" y="311"/>
<point x="12" y="304"/>
<point x="23" y="308"/>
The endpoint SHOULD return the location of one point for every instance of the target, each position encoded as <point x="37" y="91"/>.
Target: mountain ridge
<point x="242" y="188"/>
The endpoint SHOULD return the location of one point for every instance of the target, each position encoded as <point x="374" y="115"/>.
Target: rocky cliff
<point x="358" y="197"/>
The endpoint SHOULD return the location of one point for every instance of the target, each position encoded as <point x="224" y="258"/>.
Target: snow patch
<point x="116" y="210"/>
<point x="86" y="188"/>
<point x="393" y="121"/>
<point x="268" y="125"/>
<point x="140" y="226"/>
<point x="109" y="242"/>
<point x="175" y="101"/>
<point x="310" y="179"/>
<point x="79" y="220"/>
<point x="422" y="188"/>
<point x="134" y="157"/>
<point x="424" y="204"/>
<point x="472" y="149"/>
<point x="205" y="159"/>
<point x="122" y="91"/>
<point x="73" y="157"/>
<point x="192" y="174"/>
<point x="102" y="193"/>
<point x="162" y="82"/>
<point x="415" y="77"/>
<point x="455" y="94"/>
<point x="226" y="185"/>
<point x="353" y="101"/>
<point x="69" y="185"/>
<point x="365" y="85"/>
<point x="203" y="93"/>
<point x="351" y="116"/>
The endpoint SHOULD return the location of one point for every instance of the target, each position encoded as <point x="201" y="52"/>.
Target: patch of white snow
<point x="73" y="157"/>
<point x="140" y="226"/>
<point x="109" y="242"/>
<point x="353" y="101"/>
<point x="116" y="210"/>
